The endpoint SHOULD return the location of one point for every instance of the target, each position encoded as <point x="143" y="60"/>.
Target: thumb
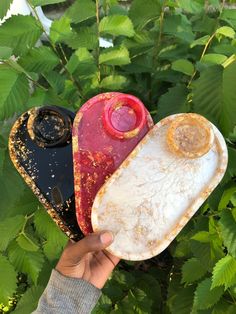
<point x="91" y="243"/>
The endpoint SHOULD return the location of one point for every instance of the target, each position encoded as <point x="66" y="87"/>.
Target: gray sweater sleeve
<point x="67" y="295"/>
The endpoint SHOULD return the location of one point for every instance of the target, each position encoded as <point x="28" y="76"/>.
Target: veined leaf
<point x="82" y="62"/>
<point x="192" y="270"/>
<point x="214" y="58"/>
<point x="4" y="7"/>
<point x="204" y="296"/>
<point x="8" y="280"/>
<point x="113" y="82"/>
<point x="9" y="229"/>
<point x="81" y="10"/>
<point x="226" y="31"/>
<point x="116" y="25"/>
<point x="200" y="41"/>
<point x="115" y="56"/>
<point x="229" y="15"/>
<point x="39" y="60"/>
<point x="178" y="26"/>
<point x="56" y="80"/>
<point x="226" y="197"/>
<point x="60" y="29"/>
<point x="29" y="301"/>
<point x="36" y="3"/>
<point x="26" y="243"/>
<point x="228" y="227"/>
<point x="202" y="236"/>
<point x="47" y="229"/>
<point x="84" y="37"/>
<point x="224" y="272"/>
<point x="5" y="53"/>
<point x="183" y="66"/>
<point x="191" y="6"/>
<point x="214" y="96"/>
<point x="2" y="158"/>
<point x="20" y="33"/>
<point x="14" y="91"/>
<point x="141" y="13"/>
<point x="173" y="101"/>
<point x="183" y="301"/>
<point x="29" y="263"/>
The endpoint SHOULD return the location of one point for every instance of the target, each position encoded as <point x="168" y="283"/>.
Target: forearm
<point x="67" y="295"/>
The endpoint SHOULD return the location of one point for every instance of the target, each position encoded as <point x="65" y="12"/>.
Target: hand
<point x="88" y="260"/>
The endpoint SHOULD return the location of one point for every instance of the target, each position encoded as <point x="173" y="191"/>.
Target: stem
<point x="98" y="36"/>
<point x="161" y="20"/>
<point x="27" y="75"/>
<point x="202" y="55"/>
<point x="77" y="85"/>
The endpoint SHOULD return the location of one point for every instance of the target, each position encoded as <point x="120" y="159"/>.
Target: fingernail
<point x="106" y="238"/>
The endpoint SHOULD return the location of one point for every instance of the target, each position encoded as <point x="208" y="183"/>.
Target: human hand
<point x="88" y="260"/>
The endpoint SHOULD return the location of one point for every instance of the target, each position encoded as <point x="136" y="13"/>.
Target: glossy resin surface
<point x="158" y="188"/>
<point x="40" y="147"/>
<point x="106" y="129"/>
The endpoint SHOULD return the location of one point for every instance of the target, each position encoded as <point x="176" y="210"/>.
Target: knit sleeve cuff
<point x="68" y="295"/>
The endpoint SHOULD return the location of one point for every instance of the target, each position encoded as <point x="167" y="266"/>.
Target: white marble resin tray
<point x="155" y="192"/>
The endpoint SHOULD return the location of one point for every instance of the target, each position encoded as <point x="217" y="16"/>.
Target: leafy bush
<point x="177" y="56"/>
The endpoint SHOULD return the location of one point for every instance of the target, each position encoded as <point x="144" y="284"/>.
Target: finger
<point x="114" y="259"/>
<point x="91" y="243"/>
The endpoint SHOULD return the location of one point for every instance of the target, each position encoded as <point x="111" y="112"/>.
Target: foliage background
<point x="176" y="56"/>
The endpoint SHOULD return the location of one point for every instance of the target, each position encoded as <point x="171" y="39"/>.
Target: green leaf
<point x="204" y="296"/>
<point x="2" y="158"/>
<point x="113" y="82"/>
<point x="192" y="270"/>
<point x="229" y="15"/>
<point x="39" y="60"/>
<point x="60" y="29"/>
<point x="183" y="301"/>
<point x="200" y="41"/>
<point x="5" y="53"/>
<point x="4" y="7"/>
<point x="183" y="66"/>
<point x="9" y="229"/>
<point x="8" y="280"/>
<point x="36" y="3"/>
<point x="26" y="243"/>
<point x="14" y="91"/>
<point x="224" y="272"/>
<point x="20" y="33"/>
<point x="214" y="96"/>
<point x="29" y="301"/>
<point x="56" y="80"/>
<point x="48" y="230"/>
<point x="11" y="187"/>
<point x="104" y="305"/>
<point x="27" y="262"/>
<point x="82" y="62"/>
<point x="115" y="56"/>
<point x="202" y="236"/>
<point x="191" y="6"/>
<point x="226" y="197"/>
<point x="84" y="37"/>
<point x="179" y="26"/>
<point x="81" y="10"/>
<point x="173" y="101"/>
<point x="116" y="25"/>
<point x="213" y="58"/>
<point x="124" y="278"/>
<point x="228" y="227"/>
<point x="226" y="31"/>
<point x="141" y="13"/>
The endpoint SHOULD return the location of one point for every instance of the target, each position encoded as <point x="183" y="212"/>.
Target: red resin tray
<point x="105" y="131"/>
